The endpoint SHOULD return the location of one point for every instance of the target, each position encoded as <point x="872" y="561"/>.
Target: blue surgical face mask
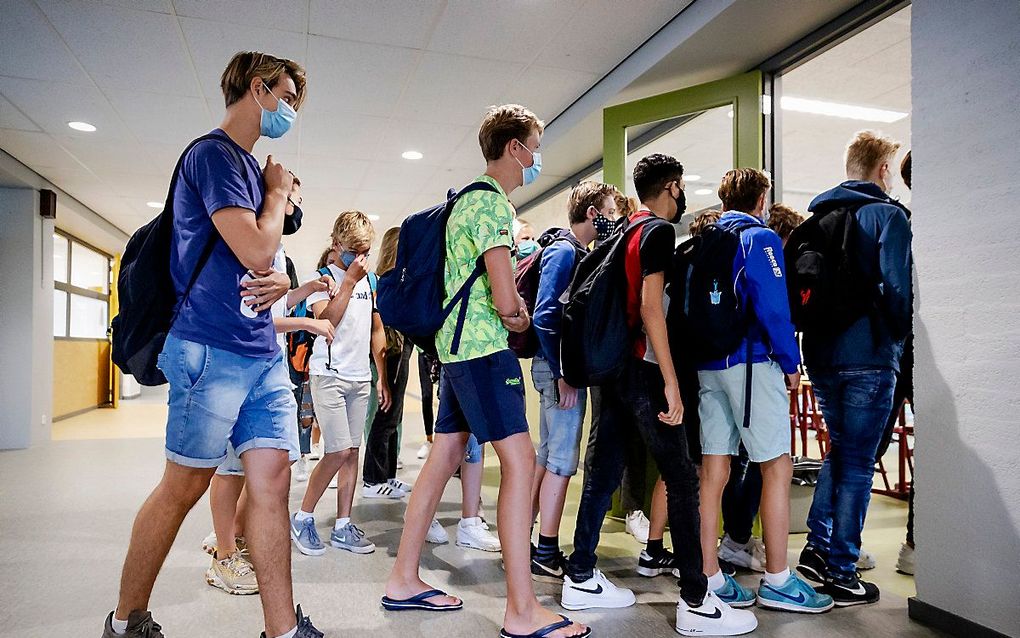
<point x="530" y="173"/>
<point x="526" y="248"/>
<point x="347" y="257"/>
<point x="275" y="123"/>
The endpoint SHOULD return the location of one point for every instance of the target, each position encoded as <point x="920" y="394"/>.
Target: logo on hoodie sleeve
<point x="771" y="254"/>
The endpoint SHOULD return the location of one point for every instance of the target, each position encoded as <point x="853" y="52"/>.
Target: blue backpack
<point x="410" y="296"/>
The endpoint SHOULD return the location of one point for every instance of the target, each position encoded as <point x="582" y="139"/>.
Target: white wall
<point x="26" y="320"/>
<point x="966" y="156"/>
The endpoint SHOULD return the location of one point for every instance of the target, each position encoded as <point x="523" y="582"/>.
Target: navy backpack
<point x="410" y="296"/>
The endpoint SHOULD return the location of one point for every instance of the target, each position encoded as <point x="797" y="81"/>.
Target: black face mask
<point x="681" y="206"/>
<point x="603" y="227"/>
<point x="292" y="222"/>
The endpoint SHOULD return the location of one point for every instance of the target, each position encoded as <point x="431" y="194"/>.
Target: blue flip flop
<point x="545" y="631"/>
<point x="420" y="602"/>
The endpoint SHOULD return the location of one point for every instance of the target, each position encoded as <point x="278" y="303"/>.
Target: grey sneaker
<point x="306" y="537"/>
<point x="140" y="625"/>
<point x="351" y="538"/>
<point x="305" y="629"/>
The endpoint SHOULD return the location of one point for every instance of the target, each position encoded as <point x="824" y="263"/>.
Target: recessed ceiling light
<point x="82" y="126"/>
<point x="835" y="109"/>
<point x="692" y="178"/>
<point x="703" y="191"/>
<point x="373" y="218"/>
<point x="412" y="155"/>
<point x="154" y="204"/>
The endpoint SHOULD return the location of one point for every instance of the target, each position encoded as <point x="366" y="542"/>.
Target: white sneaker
<point x="209" y="544"/>
<point x="400" y="464"/>
<point x="436" y="534"/>
<point x="316" y="451"/>
<point x="397" y="484"/>
<point x="596" y="592"/>
<point x="637" y="526"/>
<point x="905" y="562"/>
<point x="382" y="490"/>
<point x="301" y="469"/>
<point x="750" y="555"/>
<point x="713" y="618"/>
<point x="472" y="533"/>
<point x="423" y="451"/>
<point x="866" y="560"/>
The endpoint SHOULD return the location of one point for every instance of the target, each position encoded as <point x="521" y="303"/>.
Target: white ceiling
<point x="384" y="77"/>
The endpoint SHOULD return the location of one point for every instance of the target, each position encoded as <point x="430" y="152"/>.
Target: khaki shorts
<point x="341" y="408"/>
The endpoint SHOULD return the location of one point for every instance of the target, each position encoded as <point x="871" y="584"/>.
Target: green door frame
<point x="744" y="92"/>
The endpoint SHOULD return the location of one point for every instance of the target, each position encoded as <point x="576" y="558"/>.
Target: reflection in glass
<point x="59" y="313"/>
<point x="89" y="269"/>
<point x="59" y="258"/>
<point x="88" y="317"/>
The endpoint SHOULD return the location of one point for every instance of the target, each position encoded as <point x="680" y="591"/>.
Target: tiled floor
<point x="66" y="509"/>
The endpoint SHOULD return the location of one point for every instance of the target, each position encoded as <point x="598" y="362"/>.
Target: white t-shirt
<point x="348" y="357"/>
<point x="279" y="308"/>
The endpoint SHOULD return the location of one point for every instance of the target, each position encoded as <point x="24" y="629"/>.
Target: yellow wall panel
<point x="81" y="375"/>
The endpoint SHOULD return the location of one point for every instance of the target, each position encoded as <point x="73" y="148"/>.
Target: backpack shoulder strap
<point x="326" y="271"/>
<point x="373" y="282"/>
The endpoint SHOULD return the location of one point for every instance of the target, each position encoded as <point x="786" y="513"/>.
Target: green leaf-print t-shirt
<point x="479" y="221"/>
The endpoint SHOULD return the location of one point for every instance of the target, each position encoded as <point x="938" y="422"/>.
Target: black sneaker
<point x="546" y="570"/>
<point x="851" y="592"/>
<point x="140" y="625"/>
<point x="305" y="629"/>
<point x="651" y="566"/>
<point x="727" y="567"/>
<point x="813" y="565"/>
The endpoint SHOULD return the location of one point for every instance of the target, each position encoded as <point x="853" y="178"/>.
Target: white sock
<point x="302" y="515"/>
<point x="289" y="634"/>
<point x="471" y="522"/>
<point x="119" y="626"/>
<point x="716" y="581"/>
<point x="776" y="580"/>
<point x="341" y="522"/>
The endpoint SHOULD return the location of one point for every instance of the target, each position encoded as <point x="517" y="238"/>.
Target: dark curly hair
<point x="653" y="172"/>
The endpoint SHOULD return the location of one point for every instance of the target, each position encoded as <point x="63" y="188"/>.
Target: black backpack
<point x="145" y="289"/>
<point x="702" y="295"/>
<point x="595" y="337"/>
<point x="827" y="293"/>
<point x="527" y="278"/>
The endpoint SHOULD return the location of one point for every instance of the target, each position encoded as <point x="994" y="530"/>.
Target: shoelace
<point x="356" y="532"/>
<point x="238" y="565"/>
<point x="306" y="630"/>
<point x="313" y="534"/>
<point x="149" y="628"/>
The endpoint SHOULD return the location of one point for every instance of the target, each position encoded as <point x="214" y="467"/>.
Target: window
<point x="81" y="289"/>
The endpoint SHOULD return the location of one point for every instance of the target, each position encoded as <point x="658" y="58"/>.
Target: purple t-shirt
<point x="211" y="180"/>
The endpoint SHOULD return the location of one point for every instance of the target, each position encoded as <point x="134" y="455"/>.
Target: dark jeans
<point x="425" y="378"/>
<point x="304" y="434"/>
<point x="629" y="410"/>
<point x="856" y="404"/>
<point x="741" y="497"/>
<point x="634" y="484"/>
<point x="382" y="447"/>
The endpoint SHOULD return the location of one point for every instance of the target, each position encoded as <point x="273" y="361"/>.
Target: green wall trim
<point x="742" y="91"/>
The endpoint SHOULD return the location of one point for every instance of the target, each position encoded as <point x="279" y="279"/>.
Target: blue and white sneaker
<point x="351" y="538"/>
<point x="794" y="595"/>
<point x="305" y="537"/>
<point x="734" y="594"/>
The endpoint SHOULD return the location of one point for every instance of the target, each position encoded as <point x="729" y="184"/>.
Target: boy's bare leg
<point x="155" y="528"/>
<point x="775" y="511"/>
<point x="404" y="581"/>
<point x="657" y="515"/>
<point x="224" y="494"/>
<point x="715" y="471"/>
<point x="346" y="482"/>
<point x="524" y="614"/>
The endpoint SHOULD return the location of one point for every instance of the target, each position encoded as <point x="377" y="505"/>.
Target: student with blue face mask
<point x="229" y="383"/>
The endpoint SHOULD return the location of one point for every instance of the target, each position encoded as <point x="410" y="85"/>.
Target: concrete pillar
<point x="26" y="320"/>
<point x="966" y="154"/>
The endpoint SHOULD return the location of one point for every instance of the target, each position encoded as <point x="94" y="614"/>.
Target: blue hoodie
<point x="884" y="237"/>
<point x="759" y="276"/>
<point x="557" y="268"/>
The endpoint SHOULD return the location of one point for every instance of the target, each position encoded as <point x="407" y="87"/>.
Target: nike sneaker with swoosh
<point x="548" y="570"/>
<point x="595" y="593"/>
<point x="813" y="565"/>
<point x="852" y="592"/>
<point x="713" y="618"/>
<point x="734" y="594"/>
<point x="793" y="595"/>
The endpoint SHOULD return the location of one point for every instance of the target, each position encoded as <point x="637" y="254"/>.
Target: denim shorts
<point x="219" y="399"/>
<point x="721" y="409"/>
<point x="559" y="436"/>
<point x="473" y="452"/>
<point x="483" y="396"/>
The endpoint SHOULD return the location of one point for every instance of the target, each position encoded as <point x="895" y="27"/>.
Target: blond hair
<point x="585" y="195"/>
<point x="866" y="152"/>
<point x="741" y="189"/>
<point x="353" y="230"/>
<point x="388" y="251"/>
<point x="505" y="123"/>
<point x="625" y="206"/>
<point x="248" y="65"/>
